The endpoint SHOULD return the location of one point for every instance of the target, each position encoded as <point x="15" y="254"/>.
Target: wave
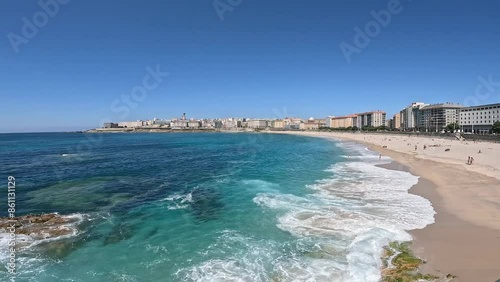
<point x="361" y="208"/>
<point x="246" y="259"/>
<point x="178" y="201"/>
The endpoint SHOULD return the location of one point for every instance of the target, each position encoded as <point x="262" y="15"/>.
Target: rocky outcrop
<point x="33" y="228"/>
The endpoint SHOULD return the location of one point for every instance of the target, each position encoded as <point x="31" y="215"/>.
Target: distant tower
<point x="183" y="116"/>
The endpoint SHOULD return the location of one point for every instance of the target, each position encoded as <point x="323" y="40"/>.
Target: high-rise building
<point x="342" y="122"/>
<point x="371" y="119"/>
<point x="396" y="121"/>
<point x="409" y="116"/>
<point x="367" y="119"/>
<point x="437" y="116"/>
<point x="479" y="119"/>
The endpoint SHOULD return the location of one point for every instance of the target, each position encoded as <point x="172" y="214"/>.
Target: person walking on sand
<point x="471" y="160"/>
<point x="415" y="147"/>
<point x="468" y="160"/>
<point x="379" y="157"/>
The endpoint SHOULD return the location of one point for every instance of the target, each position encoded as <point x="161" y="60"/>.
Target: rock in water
<point x="35" y="227"/>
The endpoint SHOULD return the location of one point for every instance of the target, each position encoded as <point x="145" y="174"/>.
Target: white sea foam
<point x="4" y="243"/>
<point x="178" y="201"/>
<point x="71" y="155"/>
<point x="258" y="185"/>
<point x="246" y="260"/>
<point x="243" y="258"/>
<point x="76" y="219"/>
<point x="362" y="206"/>
<point x="222" y="180"/>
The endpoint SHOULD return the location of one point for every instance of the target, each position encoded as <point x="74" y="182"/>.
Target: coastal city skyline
<point x="307" y="69"/>
<point x="416" y="117"/>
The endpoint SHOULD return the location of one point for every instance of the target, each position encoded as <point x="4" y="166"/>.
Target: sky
<point x="72" y="64"/>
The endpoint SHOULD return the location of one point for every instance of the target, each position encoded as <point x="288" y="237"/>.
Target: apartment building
<point x="342" y="122"/>
<point x="479" y="119"/>
<point x="279" y="123"/>
<point x="194" y="124"/>
<point x="310" y="124"/>
<point x="371" y="119"/>
<point x="257" y="123"/>
<point x="396" y="121"/>
<point x="408" y="115"/>
<point x="436" y="117"/>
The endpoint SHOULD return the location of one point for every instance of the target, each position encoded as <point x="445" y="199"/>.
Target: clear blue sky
<point x="264" y="56"/>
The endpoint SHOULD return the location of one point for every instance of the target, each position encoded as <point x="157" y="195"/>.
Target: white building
<point x="207" y="123"/>
<point x="194" y="124"/>
<point x="178" y="124"/>
<point x="257" y="123"/>
<point x="131" y="124"/>
<point x="409" y="119"/>
<point x="231" y="123"/>
<point x="479" y="119"/>
<point x="329" y="121"/>
<point x="161" y="122"/>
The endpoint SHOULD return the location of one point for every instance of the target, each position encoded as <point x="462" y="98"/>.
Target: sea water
<point x="207" y="207"/>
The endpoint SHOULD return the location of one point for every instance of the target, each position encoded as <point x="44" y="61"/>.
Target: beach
<point x="465" y="238"/>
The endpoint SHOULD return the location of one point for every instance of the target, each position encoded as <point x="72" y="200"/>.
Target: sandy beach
<point x="465" y="239"/>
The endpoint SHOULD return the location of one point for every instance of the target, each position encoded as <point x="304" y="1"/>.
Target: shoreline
<point x="465" y="238"/>
<point x="452" y="245"/>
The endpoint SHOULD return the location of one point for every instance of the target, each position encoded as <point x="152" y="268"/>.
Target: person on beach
<point x="415" y="147"/>
<point x="379" y="157"/>
<point x="468" y="160"/>
<point x="471" y="160"/>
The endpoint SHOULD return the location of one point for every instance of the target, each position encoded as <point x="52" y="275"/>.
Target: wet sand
<point x="452" y="245"/>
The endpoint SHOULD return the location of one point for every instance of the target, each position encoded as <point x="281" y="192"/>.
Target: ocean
<point x="206" y="207"/>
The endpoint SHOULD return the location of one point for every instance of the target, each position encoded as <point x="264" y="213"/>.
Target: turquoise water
<point x="208" y="207"/>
